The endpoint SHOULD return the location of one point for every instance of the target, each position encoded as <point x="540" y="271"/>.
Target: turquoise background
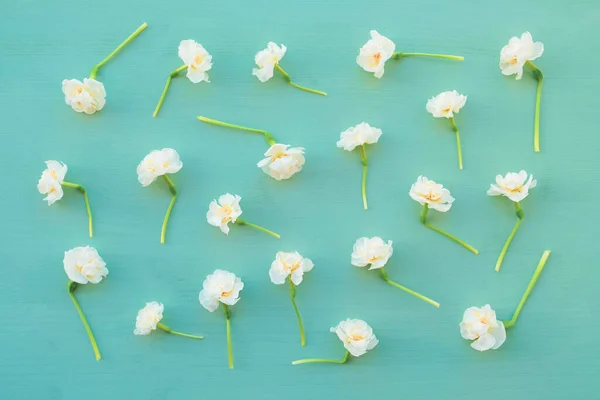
<point x="552" y="353"/>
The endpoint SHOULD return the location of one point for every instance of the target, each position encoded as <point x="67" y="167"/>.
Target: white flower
<point x="157" y="163"/>
<point x="434" y="194"/>
<point x="196" y="58"/>
<point x="266" y="60"/>
<point x="50" y="182"/>
<point x="445" y="104"/>
<point x="220" y="287"/>
<point x="148" y="317"/>
<point x="358" y="135"/>
<point x="481" y="324"/>
<point x="513" y="185"/>
<point x="282" y="162"/>
<point x="517" y="52"/>
<point x="357" y="336"/>
<point x="84" y="264"/>
<point x="289" y="264"/>
<point x="226" y="210"/>
<point x="372" y="251"/>
<point x="375" y="53"/>
<point x="87" y="97"/>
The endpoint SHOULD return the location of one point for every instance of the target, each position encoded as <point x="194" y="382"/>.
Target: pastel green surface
<point x="552" y="353"/>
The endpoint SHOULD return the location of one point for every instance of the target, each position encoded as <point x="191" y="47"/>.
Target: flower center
<point x="356" y="337"/>
<point x="277" y="156"/>
<point x="376" y="58"/>
<point x="373" y="259"/>
<point x="513" y="60"/>
<point x="198" y="59"/>
<point x="447" y="109"/>
<point x="290" y="268"/>
<point x="432" y="196"/>
<point x="227" y="294"/>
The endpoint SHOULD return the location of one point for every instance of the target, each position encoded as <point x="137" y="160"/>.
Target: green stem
<point x="71" y="286"/>
<point x="385" y="277"/>
<point x="172" y="75"/>
<point x="538" y="99"/>
<point x="268" y="137"/>
<point x="240" y="221"/>
<point x="423" y="220"/>
<point x="455" y="129"/>
<point x="169" y="330"/>
<point x="81" y="189"/>
<point x="173" y="191"/>
<point x="288" y="79"/>
<point x="227" y="312"/>
<point x="139" y="30"/>
<point x="520" y="216"/>
<point x="300" y="324"/>
<point x="344" y="360"/>
<point x="532" y="282"/>
<point x="398" y="55"/>
<point x="365" y="163"/>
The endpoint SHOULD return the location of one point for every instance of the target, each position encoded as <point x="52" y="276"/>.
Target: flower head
<point x="357" y="336"/>
<point x="220" y="287"/>
<point x="157" y="163"/>
<point x="517" y="52"/>
<point x="446" y="104"/>
<point x="291" y="265"/>
<point x="148" y="317"/>
<point x="50" y="182"/>
<point x="266" y="60"/>
<point x="371" y="251"/>
<point x="197" y="59"/>
<point x="84" y="265"/>
<point x="431" y="193"/>
<point x="87" y="97"/>
<point x="282" y="162"/>
<point x="358" y="135"/>
<point x="221" y="213"/>
<point x="481" y="325"/>
<point x="375" y="53"/>
<point x="513" y="185"/>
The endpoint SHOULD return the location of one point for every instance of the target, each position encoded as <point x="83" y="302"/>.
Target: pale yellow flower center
<point x="447" y="109"/>
<point x="290" y="268"/>
<point x="279" y="155"/>
<point x="431" y="196"/>
<point x="515" y="189"/>
<point x="198" y="59"/>
<point x="356" y="337"/>
<point x="227" y="210"/>
<point x="513" y="60"/>
<point x="227" y="294"/>
<point x="375" y="59"/>
<point x="373" y="259"/>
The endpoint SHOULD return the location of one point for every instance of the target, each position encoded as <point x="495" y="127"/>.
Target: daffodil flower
<point x="379" y="49"/>
<point x="160" y="163"/>
<point x="481" y="325"/>
<point x="281" y="161"/>
<point x="84" y="265"/>
<point x="51" y="183"/>
<point x="360" y="135"/>
<point x="196" y="60"/>
<point x="227" y="209"/>
<point x="513" y="57"/>
<point x="222" y="287"/>
<point x="149" y="319"/>
<point x="514" y="186"/>
<point x="268" y="60"/>
<point x="357" y="337"/>
<point x="89" y="96"/>
<point x="433" y="195"/>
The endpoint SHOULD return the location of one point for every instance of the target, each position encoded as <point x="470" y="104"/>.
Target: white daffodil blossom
<point x="360" y="135"/>
<point x="375" y="253"/>
<point x="513" y="57"/>
<point x="84" y="265"/>
<point x="379" y="49"/>
<point x="161" y="163"/>
<point x="89" y="96"/>
<point x="51" y="184"/>
<point x="282" y="162"/>
<point x="268" y="60"/>
<point x="433" y="195"/>
<point x="222" y="287"/>
<point x="149" y="319"/>
<point x="445" y="105"/>
<point x="292" y="266"/>
<point x="516" y="187"/>
<point x="196" y="60"/>
<point x="227" y="209"/>
<point x="481" y="324"/>
<point x="356" y="335"/>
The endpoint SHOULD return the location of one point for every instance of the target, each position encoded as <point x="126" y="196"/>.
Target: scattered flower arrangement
<point x="227" y="209"/>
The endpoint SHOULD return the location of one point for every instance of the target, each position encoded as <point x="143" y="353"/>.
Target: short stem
<point x="323" y="360"/>
<point x="268" y="137"/>
<point x="71" y="286"/>
<point x="520" y="215"/>
<point x="532" y="282"/>
<point x="398" y="55"/>
<point x="81" y="189"/>
<point x="455" y="129"/>
<point x="173" y="191"/>
<point x="288" y="79"/>
<point x="227" y="312"/>
<point x="172" y="75"/>
<point x="454" y="238"/>
<point x="165" y="328"/>
<point x="538" y="98"/>
<point x="300" y="324"/>
<point x="240" y="221"/>
<point x="385" y="277"/>
<point x="139" y="30"/>
<point x="365" y="163"/>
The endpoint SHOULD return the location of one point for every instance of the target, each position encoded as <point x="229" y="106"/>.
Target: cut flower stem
<point x="365" y="163"/>
<point x="172" y="75"/>
<point x="385" y="277"/>
<point x="173" y="191"/>
<point x="165" y="328"/>
<point x="398" y="55"/>
<point x="268" y="137"/>
<point x="520" y="215"/>
<point x="227" y="312"/>
<point x="344" y="360"/>
<point x="71" y="286"/>
<point x="242" y="222"/>
<point x="455" y="129"/>
<point x="298" y="316"/>
<point x="539" y="77"/>
<point x="423" y="220"/>
<point x="82" y="190"/>
<point x="288" y="79"/>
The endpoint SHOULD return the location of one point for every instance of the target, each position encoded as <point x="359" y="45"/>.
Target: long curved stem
<point x="242" y="222"/>
<point x="455" y="129"/>
<point x="323" y="360"/>
<point x="365" y="163"/>
<point x="71" y="286"/>
<point x="538" y="99"/>
<point x="227" y="312"/>
<point x="172" y="75"/>
<point x="139" y="30"/>
<point x="532" y="282"/>
<point x="82" y="190"/>
<point x="520" y="216"/>
<point x="300" y="324"/>
<point x="385" y="277"/>
<point x="268" y="137"/>
<point x="169" y="330"/>
<point x="398" y="55"/>
<point x="173" y="191"/>
<point x="423" y="219"/>
<point x="288" y="79"/>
